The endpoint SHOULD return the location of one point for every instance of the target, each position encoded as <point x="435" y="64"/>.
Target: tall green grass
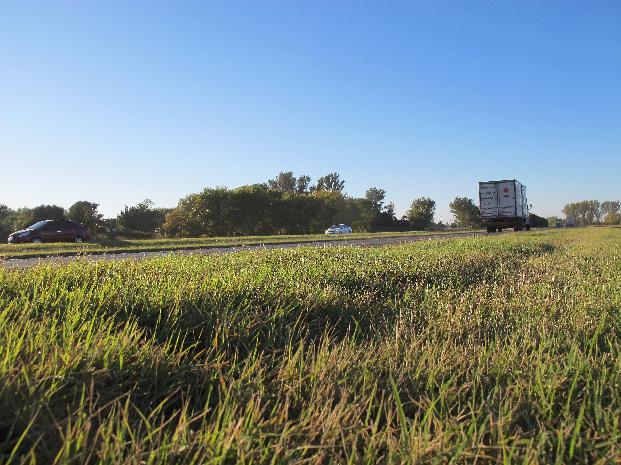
<point x="488" y="350"/>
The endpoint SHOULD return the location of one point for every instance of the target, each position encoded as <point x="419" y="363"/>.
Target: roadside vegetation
<point x="285" y="205"/>
<point x="117" y="245"/>
<point x="495" y="349"/>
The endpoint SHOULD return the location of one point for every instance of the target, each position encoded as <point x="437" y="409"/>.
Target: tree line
<point x="290" y="204"/>
<point x="142" y="220"/>
<point x="588" y="212"/>
<point x="286" y="204"/>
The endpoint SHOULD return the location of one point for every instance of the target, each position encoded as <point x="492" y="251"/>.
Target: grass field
<point x="498" y="349"/>
<point x="152" y="245"/>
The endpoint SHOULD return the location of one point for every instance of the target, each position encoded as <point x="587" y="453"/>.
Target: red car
<point x="51" y="231"/>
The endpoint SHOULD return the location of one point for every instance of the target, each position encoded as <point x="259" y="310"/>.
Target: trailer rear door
<point x="506" y="198"/>
<point x="488" y="201"/>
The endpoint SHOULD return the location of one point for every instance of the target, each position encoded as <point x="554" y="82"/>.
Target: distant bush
<point x="421" y="213"/>
<point x="612" y="218"/>
<point x="537" y="221"/>
<point x="86" y="213"/>
<point x="141" y="220"/>
<point x="466" y="213"/>
<point x="5" y="222"/>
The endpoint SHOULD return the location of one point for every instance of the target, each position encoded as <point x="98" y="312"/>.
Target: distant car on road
<point x="339" y="229"/>
<point x="51" y="231"/>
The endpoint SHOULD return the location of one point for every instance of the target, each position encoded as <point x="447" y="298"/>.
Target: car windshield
<point x="39" y="225"/>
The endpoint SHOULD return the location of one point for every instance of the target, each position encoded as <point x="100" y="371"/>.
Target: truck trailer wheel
<point x="491" y="229"/>
<point x="528" y="227"/>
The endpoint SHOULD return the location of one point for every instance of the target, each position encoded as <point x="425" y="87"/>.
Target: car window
<point x="39" y="224"/>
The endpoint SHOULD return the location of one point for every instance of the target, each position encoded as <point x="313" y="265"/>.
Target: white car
<point x="339" y="229"/>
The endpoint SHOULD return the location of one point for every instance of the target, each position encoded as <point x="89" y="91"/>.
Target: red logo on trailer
<point x="506" y="190"/>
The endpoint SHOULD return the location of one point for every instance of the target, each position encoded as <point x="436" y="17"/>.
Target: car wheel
<point x="36" y="240"/>
<point x="78" y="239"/>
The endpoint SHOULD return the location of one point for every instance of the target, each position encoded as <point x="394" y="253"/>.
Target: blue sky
<point x="115" y="102"/>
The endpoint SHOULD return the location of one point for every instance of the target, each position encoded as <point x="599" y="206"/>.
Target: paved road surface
<point x="369" y="242"/>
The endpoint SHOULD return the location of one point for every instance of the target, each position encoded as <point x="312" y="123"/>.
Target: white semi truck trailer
<point x="503" y="204"/>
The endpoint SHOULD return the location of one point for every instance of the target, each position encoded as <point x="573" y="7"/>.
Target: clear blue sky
<point x="115" y="102"/>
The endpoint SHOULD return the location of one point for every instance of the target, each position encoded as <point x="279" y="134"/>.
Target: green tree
<point x="376" y="196"/>
<point x="303" y="184"/>
<point x="86" y="214"/>
<point x="573" y="210"/>
<point x="584" y="213"/>
<point x="247" y="210"/>
<point x="382" y="215"/>
<point x="25" y="217"/>
<point x="466" y="213"/>
<point x="253" y="210"/>
<point x="331" y="183"/>
<point x="594" y="211"/>
<point x="552" y="221"/>
<point x="330" y="208"/>
<point x="142" y="219"/>
<point x="6" y="219"/>
<point x="284" y="182"/>
<point x="613" y="218"/>
<point x="610" y="206"/>
<point x="358" y="214"/>
<point x="421" y="212"/>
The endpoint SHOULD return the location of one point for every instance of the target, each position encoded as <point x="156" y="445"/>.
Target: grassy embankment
<point x="499" y="349"/>
<point x="153" y="245"/>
